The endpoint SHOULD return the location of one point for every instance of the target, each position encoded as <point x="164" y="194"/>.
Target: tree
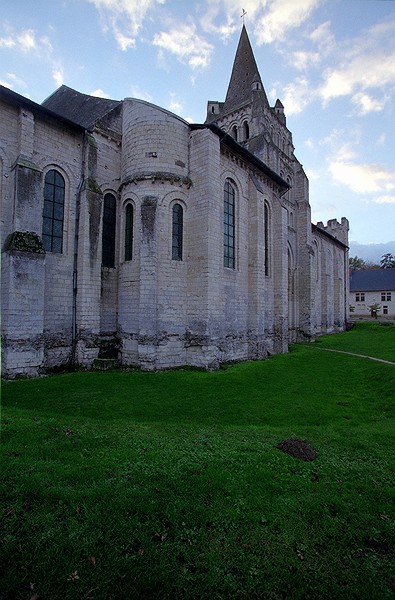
<point x="374" y="309"/>
<point x="356" y="263"/>
<point x="387" y="261"/>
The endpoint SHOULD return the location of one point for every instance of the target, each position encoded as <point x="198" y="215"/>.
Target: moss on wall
<point x="24" y="241"/>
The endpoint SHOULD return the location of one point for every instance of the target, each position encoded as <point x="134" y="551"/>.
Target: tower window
<point x="53" y="211"/>
<point x="246" y="129"/>
<point x="234" y="132"/>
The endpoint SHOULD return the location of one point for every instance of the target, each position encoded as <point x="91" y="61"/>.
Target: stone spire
<point x="245" y="75"/>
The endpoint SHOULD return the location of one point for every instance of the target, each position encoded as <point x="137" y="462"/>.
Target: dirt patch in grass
<point x="297" y="448"/>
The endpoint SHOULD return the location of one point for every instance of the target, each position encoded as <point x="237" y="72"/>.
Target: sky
<point x="330" y="62"/>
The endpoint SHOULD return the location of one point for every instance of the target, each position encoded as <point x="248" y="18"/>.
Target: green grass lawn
<point x="140" y="485"/>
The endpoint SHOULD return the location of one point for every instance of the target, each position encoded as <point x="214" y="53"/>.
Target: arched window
<point x="108" y="237"/>
<point x="234" y="132"/>
<point x="267" y="238"/>
<point x="177" y="231"/>
<point x="129" y="232"/>
<point x="53" y="212"/>
<point x="229" y="225"/>
<point x="246" y="129"/>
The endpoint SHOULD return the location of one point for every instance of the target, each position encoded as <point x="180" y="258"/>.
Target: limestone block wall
<point x="152" y="287"/>
<point x="32" y="146"/>
<point x="155" y="142"/>
<point x="331" y="291"/>
<point x="204" y="244"/>
<point x="22" y="313"/>
<point x="107" y="173"/>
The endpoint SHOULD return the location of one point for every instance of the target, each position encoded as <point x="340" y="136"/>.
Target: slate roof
<point x="17" y="100"/>
<point x="372" y="280"/>
<point x="244" y="74"/>
<point x="79" y="108"/>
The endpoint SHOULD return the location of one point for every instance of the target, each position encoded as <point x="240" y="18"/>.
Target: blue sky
<point x="331" y="63"/>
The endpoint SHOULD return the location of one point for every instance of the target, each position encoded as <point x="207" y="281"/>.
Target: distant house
<point x="374" y="286"/>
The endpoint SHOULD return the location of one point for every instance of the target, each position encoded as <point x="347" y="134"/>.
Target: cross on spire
<point x="243" y="14"/>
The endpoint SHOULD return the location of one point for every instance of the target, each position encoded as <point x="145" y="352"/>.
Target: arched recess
<point x="109" y="229"/>
<point x="67" y="227"/>
<point x="267" y="237"/>
<point x="230" y="223"/>
<point x="129" y="212"/>
<point x="177" y="231"/>
<point x="291" y="289"/>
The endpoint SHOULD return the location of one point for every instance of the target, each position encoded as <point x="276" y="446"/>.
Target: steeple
<point x="245" y="75"/>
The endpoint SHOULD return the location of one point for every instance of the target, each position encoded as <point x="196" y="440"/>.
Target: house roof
<point x="80" y="108"/>
<point x="372" y="280"/>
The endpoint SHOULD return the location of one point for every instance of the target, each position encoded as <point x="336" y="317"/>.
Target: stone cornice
<point x="157" y="177"/>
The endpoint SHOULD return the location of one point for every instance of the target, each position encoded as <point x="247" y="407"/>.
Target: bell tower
<point x="247" y="116"/>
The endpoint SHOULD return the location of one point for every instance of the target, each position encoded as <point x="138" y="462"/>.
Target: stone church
<point x="128" y="233"/>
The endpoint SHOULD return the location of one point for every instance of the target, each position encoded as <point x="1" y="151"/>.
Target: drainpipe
<point x="75" y="258"/>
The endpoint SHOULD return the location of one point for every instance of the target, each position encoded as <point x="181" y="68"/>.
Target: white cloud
<point x="175" y="105"/>
<point x="366" y="62"/>
<point x="99" y="93"/>
<point x="312" y="174"/>
<point x="323" y="36"/>
<point x="366" y="104"/>
<point x="223" y="17"/>
<point x="304" y="59"/>
<point x="363" y="178"/>
<point x="281" y="16"/>
<point x="7" y="42"/>
<point x="25" y="41"/>
<point x="123" y="41"/>
<point x="58" y="76"/>
<point x="296" y="96"/>
<point x="137" y="92"/>
<point x="126" y="18"/>
<point x="385" y="199"/>
<point x="16" y="80"/>
<point x="186" y="45"/>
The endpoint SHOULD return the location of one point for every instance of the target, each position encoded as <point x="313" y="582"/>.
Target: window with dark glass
<point x="229" y="225"/>
<point x="246" y="130"/>
<point x="108" y="236"/>
<point x="53" y="211"/>
<point x="177" y="232"/>
<point x="129" y="232"/>
<point x="267" y="238"/>
<point x="234" y="132"/>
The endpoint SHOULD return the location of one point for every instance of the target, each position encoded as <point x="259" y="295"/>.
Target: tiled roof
<point x="372" y="280"/>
